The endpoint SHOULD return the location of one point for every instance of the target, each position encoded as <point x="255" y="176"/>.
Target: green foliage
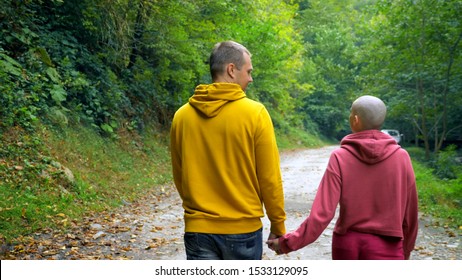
<point x="44" y="76"/>
<point x="416" y="153"/>
<point x="411" y="52"/>
<point x="328" y="64"/>
<point x="54" y="177"/>
<point x="34" y="188"/>
<point x="104" y="62"/>
<point x="277" y="54"/>
<point x="296" y="138"/>
<point x="17" y="100"/>
<point x="446" y="164"/>
<point x="440" y="198"/>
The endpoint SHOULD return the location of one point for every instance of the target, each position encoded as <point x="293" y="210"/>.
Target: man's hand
<point x="273" y="243"/>
<point x="272" y="236"/>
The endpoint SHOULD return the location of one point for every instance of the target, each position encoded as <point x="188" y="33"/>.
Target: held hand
<point x="272" y="236"/>
<point x="273" y="244"/>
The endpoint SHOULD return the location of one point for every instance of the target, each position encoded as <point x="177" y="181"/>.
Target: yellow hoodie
<point x="226" y="163"/>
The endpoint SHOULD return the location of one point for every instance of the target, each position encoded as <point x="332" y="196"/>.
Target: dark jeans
<point x="204" y="246"/>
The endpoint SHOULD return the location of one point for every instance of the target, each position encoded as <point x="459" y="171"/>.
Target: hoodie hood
<point x="370" y="146"/>
<point x="210" y="99"/>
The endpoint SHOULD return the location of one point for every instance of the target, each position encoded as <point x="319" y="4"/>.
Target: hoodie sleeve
<point x="321" y="214"/>
<point x="410" y="222"/>
<point x="269" y="173"/>
<point x="175" y="156"/>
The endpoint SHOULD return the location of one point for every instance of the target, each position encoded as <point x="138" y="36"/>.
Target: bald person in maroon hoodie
<point x="372" y="179"/>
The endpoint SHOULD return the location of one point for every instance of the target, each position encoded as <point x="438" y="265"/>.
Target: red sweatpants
<point x="364" y="246"/>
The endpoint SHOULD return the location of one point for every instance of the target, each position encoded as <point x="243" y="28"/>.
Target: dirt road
<point x="152" y="228"/>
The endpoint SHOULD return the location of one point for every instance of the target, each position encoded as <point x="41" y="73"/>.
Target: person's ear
<point x="230" y="70"/>
<point x="354" y="123"/>
<point x="357" y="123"/>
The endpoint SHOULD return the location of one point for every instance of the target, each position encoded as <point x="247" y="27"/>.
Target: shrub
<point x="446" y="165"/>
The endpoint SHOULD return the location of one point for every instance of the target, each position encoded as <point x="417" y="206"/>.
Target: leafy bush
<point x="18" y="100"/>
<point x="416" y="153"/>
<point x="46" y="72"/>
<point x="446" y="165"/>
<point x="439" y="195"/>
<point x="441" y="198"/>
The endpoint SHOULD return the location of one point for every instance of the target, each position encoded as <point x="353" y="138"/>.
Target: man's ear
<point x="230" y="70"/>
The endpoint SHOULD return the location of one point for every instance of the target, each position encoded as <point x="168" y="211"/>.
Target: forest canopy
<point x="127" y="63"/>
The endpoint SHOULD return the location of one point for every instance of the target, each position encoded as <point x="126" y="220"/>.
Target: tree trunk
<point x="423" y="119"/>
<point x="452" y="51"/>
<point x="137" y="36"/>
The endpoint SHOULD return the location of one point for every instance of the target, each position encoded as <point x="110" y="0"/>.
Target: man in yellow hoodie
<point x="226" y="163"/>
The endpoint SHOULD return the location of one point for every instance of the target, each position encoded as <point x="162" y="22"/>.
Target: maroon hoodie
<point x="373" y="180"/>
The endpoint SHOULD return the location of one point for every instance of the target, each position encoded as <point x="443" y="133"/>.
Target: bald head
<point x="370" y="111"/>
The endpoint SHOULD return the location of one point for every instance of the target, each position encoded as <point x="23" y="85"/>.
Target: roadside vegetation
<point x="58" y="175"/>
<point x="439" y="185"/>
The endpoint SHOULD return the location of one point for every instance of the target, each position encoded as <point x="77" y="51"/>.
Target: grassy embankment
<point x="441" y="198"/>
<point x="36" y="193"/>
